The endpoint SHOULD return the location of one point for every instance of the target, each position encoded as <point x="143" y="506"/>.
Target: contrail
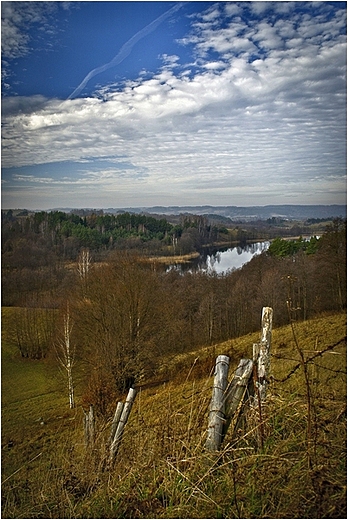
<point x="126" y="48"/>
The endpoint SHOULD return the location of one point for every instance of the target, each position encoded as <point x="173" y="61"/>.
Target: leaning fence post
<point x="115" y="421"/>
<point x="236" y="390"/>
<point x="217" y="404"/>
<point x="122" y="423"/>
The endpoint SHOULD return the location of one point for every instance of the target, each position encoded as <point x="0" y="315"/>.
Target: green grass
<point x="29" y="391"/>
<point x="162" y="470"/>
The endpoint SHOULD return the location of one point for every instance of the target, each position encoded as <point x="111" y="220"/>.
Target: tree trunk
<point x="71" y="388"/>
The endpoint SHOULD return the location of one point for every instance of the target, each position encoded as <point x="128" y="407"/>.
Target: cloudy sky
<point x="124" y="104"/>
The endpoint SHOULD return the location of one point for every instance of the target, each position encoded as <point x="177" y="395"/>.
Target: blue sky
<point x="124" y="104"/>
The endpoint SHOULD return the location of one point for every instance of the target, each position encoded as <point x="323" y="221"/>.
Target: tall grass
<point x="162" y="469"/>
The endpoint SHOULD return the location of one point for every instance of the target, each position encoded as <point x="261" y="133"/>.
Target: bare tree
<point x="333" y="254"/>
<point x="122" y="325"/>
<point x="84" y="263"/>
<point x="66" y="354"/>
<point x="32" y="328"/>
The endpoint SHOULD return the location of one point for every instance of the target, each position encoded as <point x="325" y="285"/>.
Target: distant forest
<point x="66" y="233"/>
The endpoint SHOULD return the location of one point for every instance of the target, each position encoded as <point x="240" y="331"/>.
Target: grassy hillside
<point x="161" y="470"/>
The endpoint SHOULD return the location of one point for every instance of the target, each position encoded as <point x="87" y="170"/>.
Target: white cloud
<point x="170" y="60"/>
<point x="14" y="42"/>
<point x="215" y="65"/>
<point x="211" y="15"/>
<point x="260" y="7"/>
<point x="272" y="125"/>
<point x="16" y="17"/>
<point x="232" y="8"/>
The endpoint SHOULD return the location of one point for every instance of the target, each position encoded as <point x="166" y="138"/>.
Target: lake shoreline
<point x="186" y="259"/>
<point x="214" y="258"/>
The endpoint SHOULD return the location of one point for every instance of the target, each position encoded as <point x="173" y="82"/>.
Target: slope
<point x="162" y="470"/>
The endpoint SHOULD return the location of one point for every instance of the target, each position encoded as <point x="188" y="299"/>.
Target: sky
<point x="136" y="104"/>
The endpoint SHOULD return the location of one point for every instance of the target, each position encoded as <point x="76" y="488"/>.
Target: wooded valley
<point x="88" y="312"/>
<point x="127" y="312"/>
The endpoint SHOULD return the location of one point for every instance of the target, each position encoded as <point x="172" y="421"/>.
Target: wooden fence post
<point x="264" y="354"/>
<point x="217" y="404"/>
<point x="261" y="361"/>
<point x="89" y="426"/>
<point x="225" y="404"/>
<point x="122" y="423"/>
<point x="115" y="421"/>
<point x="236" y="390"/>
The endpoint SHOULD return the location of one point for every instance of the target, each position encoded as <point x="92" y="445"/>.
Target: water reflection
<point x="221" y="261"/>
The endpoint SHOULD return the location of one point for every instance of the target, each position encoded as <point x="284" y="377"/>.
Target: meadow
<point x="162" y="469"/>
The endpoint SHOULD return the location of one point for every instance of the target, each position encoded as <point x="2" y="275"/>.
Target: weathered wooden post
<point x="115" y="421"/>
<point x="225" y="404"/>
<point x="262" y="352"/>
<point x="261" y="360"/>
<point x="89" y="426"/>
<point x="217" y="404"/>
<point x="122" y="423"/>
<point x="236" y="390"/>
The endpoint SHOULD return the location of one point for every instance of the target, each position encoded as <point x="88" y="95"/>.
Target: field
<point x="162" y="469"/>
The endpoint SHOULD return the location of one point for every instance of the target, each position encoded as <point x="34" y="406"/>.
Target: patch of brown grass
<point x="162" y="469"/>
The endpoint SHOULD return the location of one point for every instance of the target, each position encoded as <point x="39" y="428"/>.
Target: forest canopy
<point x="68" y="232"/>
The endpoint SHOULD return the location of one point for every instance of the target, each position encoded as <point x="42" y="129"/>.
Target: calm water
<point x="221" y="261"/>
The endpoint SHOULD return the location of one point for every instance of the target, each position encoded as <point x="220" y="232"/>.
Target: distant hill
<point x="292" y="212"/>
<point x="246" y="213"/>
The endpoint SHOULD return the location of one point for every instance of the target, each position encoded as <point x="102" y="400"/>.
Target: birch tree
<point x="65" y="352"/>
<point x="83" y="267"/>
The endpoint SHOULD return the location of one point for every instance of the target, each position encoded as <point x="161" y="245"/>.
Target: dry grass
<point x="162" y="470"/>
<point x="173" y="259"/>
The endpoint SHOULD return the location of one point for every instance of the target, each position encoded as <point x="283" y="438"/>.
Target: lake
<point x="222" y="260"/>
